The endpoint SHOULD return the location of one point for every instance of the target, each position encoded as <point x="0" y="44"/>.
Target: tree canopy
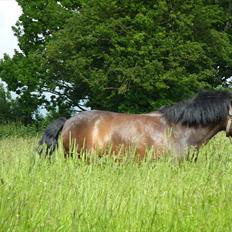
<point x="127" y="56"/>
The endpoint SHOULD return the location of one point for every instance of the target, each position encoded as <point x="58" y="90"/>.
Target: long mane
<point x="208" y="107"/>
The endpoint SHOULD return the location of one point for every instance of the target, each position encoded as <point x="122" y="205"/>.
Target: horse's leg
<point x="179" y="156"/>
<point x="68" y="155"/>
<point x="194" y="156"/>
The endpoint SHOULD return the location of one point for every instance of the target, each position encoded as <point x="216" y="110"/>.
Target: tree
<point x="11" y="110"/>
<point x="4" y="105"/>
<point x="24" y="72"/>
<point x="131" y="56"/>
<point x="138" y="55"/>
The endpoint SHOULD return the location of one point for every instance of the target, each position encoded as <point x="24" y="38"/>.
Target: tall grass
<point x="103" y="195"/>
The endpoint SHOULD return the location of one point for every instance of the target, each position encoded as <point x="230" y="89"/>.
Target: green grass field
<point x="102" y="195"/>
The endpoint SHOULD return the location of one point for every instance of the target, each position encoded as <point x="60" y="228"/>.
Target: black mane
<point x="208" y="107"/>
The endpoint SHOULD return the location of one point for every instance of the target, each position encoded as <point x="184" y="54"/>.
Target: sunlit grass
<point x="104" y="195"/>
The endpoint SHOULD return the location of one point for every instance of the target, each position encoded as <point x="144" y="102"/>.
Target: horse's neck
<point x="195" y="136"/>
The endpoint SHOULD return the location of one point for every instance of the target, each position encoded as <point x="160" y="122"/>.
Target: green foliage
<point x="20" y="75"/>
<point x="17" y="130"/>
<point x="24" y="72"/>
<point x="131" y="56"/>
<point x="11" y="109"/>
<point x="4" y="105"/>
<point x="40" y="19"/>
<point x="136" y="56"/>
<point x="102" y="195"/>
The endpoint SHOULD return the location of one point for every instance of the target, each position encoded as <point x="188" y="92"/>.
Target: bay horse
<point x="171" y="130"/>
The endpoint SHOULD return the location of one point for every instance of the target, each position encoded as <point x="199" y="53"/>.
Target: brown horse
<point x="172" y="129"/>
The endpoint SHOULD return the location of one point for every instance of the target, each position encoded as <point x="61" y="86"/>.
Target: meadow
<point x="104" y="195"/>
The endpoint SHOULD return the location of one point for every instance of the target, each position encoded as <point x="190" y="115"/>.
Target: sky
<point x="9" y="14"/>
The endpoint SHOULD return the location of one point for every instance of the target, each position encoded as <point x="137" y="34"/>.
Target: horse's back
<point x="96" y="129"/>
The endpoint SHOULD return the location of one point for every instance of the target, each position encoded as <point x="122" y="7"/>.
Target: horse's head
<point x="229" y="122"/>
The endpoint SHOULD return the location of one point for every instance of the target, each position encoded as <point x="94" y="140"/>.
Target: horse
<point x="173" y="129"/>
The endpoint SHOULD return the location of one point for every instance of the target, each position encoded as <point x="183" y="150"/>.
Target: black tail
<point x="49" y="140"/>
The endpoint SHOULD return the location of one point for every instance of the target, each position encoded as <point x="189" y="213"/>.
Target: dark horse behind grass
<point x="171" y="130"/>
